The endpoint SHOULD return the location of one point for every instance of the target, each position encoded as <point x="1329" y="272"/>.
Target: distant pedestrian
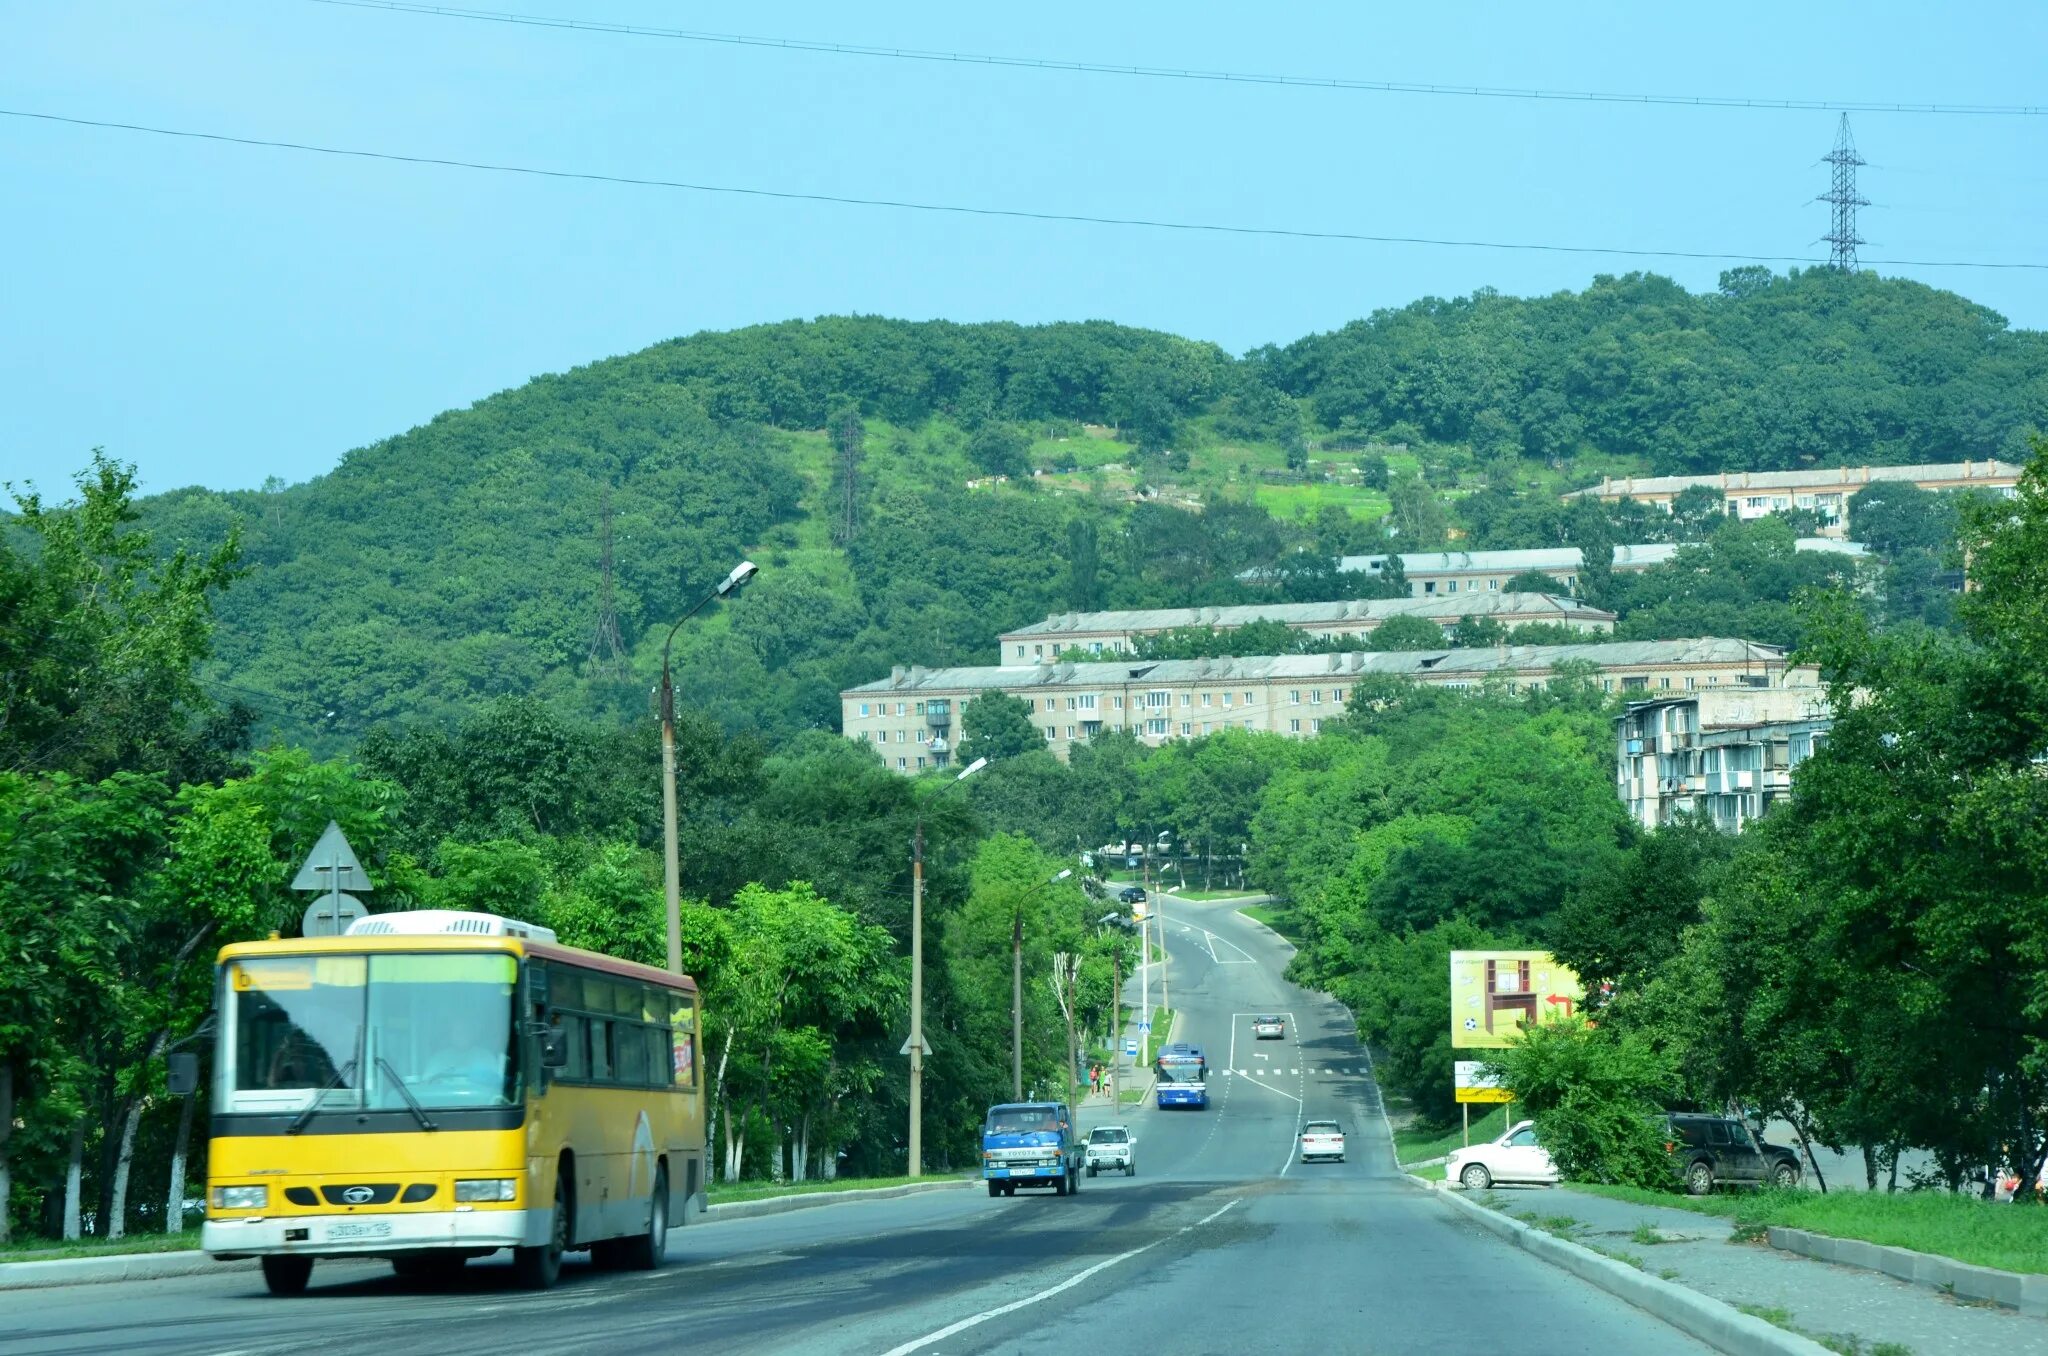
<point x="1094" y="1078"/>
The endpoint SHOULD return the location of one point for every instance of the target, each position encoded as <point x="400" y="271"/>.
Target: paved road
<point x="1221" y="1243"/>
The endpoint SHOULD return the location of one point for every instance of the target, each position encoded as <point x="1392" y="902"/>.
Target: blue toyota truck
<point x="1030" y="1144"/>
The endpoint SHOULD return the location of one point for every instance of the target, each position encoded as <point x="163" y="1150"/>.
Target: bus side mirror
<point x="181" y="1071"/>
<point x="553" y="1053"/>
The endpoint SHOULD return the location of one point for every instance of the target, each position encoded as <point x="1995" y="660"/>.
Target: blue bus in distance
<point x="1183" y="1076"/>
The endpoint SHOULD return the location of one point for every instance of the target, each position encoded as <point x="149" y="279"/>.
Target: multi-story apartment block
<point x="1115" y="633"/>
<point x="1726" y="752"/>
<point x="1827" y="490"/>
<point x="1435" y="574"/>
<point x="913" y="717"/>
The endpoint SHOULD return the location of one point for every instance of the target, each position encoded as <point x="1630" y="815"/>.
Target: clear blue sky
<point x="218" y="314"/>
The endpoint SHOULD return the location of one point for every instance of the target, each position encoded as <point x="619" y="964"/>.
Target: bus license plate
<point x="368" y="1228"/>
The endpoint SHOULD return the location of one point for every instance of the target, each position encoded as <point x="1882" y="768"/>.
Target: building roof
<point x="1525" y="606"/>
<point x="1826" y="476"/>
<point x="1639" y="556"/>
<point x="1434" y="663"/>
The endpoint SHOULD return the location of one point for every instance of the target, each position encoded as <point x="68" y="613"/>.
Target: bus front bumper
<point x="373" y="1235"/>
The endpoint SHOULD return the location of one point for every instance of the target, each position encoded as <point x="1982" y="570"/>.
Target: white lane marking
<point x="1295" y="1072"/>
<point x="1270" y="1088"/>
<point x="1246" y="957"/>
<point x="975" y="1320"/>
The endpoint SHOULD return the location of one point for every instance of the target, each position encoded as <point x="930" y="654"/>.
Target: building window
<point x="1070" y="732"/>
<point x="1205" y="699"/>
<point x="863" y="708"/>
<point x="1226" y="699"/>
<point x="1187" y="699"/>
<point x="1664" y="682"/>
<point x="1247" y="699"/>
<point x="1607" y="685"/>
<point x="1315" y="697"/>
<point x="1634" y="683"/>
<point x="1118" y="702"/>
<point x="1205" y="727"/>
<point x="1451" y="586"/>
<point x="902" y="764"/>
<point x="1095" y="647"/>
<point x="1157" y="727"/>
<point x="920" y="760"/>
<point x="1493" y="586"/>
<point x="1247" y="725"/>
<point x="1316" y="726"/>
<point x="1052" y="732"/>
<point x="1073" y="703"/>
<point x="1690" y="682"/>
<point x="864" y="737"/>
<point x="1429" y="587"/>
<point x="1186" y="729"/>
<point x="1038" y="652"/>
<point x="1020" y="649"/>
<point x="920" y="736"/>
<point x="1294" y="696"/>
<point x="1337" y="696"/>
<point x="1294" y="727"/>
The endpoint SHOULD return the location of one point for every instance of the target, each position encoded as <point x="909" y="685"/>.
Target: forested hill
<point x="461" y="559"/>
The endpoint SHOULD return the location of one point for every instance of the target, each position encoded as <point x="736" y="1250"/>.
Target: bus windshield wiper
<point x="411" y="1102"/>
<point x="341" y="1076"/>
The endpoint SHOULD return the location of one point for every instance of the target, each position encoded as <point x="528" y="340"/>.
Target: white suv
<point x="1111" y="1146"/>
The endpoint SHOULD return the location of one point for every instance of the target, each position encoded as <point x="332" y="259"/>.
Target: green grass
<point x="1433" y="1173"/>
<point x="1305" y="501"/>
<point x="1161" y="1034"/>
<point x="50" y="1250"/>
<point x="1203" y="896"/>
<point x="1413" y="1144"/>
<point x="1845" y="1343"/>
<point x="1278" y="917"/>
<point x="723" y="1193"/>
<point x="2008" y="1237"/>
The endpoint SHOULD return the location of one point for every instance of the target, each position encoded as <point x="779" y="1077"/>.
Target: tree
<point x="99" y="636"/>
<point x="1084" y="588"/>
<point x="1001" y="449"/>
<point x="1696" y="511"/>
<point x="1406" y="632"/>
<point x="1536" y="581"/>
<point x="1594" y="1097"/>
<point x="997" y="725"/>
<point x="1892" y="517"/>
<point x="1418" y="516"/>
<point x="1372" y="471"/>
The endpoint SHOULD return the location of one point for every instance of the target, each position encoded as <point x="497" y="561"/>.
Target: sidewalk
<point x="1130" y="1076"/>
<point x="1817" y="1298"/>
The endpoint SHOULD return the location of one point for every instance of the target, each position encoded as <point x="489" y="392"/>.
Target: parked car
<point x="1322" y="1139"/>
<point x="1269" y="1028"/>
<point x="1514" y="1157"/>
<point x="1708" y="1150"/>
<point x="1111" y="1146"/>
<point x="1132" y="894"/>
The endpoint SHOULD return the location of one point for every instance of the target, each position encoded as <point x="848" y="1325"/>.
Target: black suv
<point x="1132" y="894"/>
<point x="1707" y="1150"/>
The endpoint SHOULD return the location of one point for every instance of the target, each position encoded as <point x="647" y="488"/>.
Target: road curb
<point x="1723" y="1327"/>
<point x="127" y="1266"/>
<point x="805" y="1200"/>
<point x="2011" y="1289"/>
<point x="160" y="1266"/>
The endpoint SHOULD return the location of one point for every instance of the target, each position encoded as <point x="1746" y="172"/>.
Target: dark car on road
<point x="1709" y="1150"/>
<point x="1132" y="894"/>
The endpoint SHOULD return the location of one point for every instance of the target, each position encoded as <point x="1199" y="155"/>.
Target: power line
<point x="961" y="209"/>
<point x="1177" y="73"/>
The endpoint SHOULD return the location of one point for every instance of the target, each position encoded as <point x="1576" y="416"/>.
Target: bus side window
<point x="576" y="1040"/>
<point x="683" y="1040"/>
<point x="600" y="1049"/>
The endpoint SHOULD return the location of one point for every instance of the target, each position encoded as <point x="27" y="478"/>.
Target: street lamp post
<point x="672" y="873"/>
<point x="916" y="1041"/>
<point x="1017" y="985"/>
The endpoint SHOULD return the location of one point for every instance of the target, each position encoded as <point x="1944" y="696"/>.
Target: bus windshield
<point x="1181" y="1071"/>
<point x="363" y="1032"/>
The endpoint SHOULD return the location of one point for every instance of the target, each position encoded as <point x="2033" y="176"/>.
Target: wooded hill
<point x="460" y="560"/>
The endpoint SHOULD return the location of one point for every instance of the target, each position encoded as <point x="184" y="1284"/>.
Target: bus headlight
<point x="488" y="1189"/>
<point x="241" y="1198"/>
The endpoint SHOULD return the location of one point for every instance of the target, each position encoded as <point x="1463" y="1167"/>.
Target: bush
<point x="1593" y="1097"/>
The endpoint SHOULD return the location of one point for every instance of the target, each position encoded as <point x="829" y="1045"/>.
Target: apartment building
<point x="913" y="717"/>
<point x="1826" y="490"/>
<point x="1725" y="752"/>
<point x="1435" y="574"/>
<point x="1115" y="633"/>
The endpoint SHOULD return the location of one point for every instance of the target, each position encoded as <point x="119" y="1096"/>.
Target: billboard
<point x="1474" y="1084"/>
<point x="1494" y="994"/>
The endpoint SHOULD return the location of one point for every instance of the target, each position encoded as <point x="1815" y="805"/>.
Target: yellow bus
<point x="436" y="1085"/>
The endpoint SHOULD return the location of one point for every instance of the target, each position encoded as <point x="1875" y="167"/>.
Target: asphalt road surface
<point x="1223" y="1242"/>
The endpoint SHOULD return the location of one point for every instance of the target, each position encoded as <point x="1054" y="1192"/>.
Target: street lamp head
<point x="741" y="573"/>
<point x="972" y="768"/>
<point x="1061" y="876"/>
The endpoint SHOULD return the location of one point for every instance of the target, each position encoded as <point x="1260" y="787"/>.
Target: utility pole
<point x="1116" y="1026"/>
<point x="672" y="872"/>
<point x="1017" y="1004"/>
<point x="1842" y="196"/>
<point x="917" y="1001"/>
<point x="915" y="1046"/>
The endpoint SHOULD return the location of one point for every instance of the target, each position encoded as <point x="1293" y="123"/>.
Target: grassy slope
<point x="1411" y="1144"/>
<point x="2009" y="1237"/>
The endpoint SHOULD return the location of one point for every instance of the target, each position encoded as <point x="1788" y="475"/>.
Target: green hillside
<point x="1002" y="472"/>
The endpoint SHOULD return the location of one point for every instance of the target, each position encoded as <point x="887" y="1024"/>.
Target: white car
<point x="1322" y="1139"/>
<point x="1514" y="1157"/>
<point x="1111" y="1146"/>
<point x="1268" y="1029"/>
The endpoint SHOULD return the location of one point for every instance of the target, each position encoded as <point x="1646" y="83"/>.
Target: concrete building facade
<point x="1437" y="574"/>
<point x="1827" y="490"/>
<point x="1116" y="633"/>
<point x="1726" y="753"/>
<point x="913" y="717"/>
